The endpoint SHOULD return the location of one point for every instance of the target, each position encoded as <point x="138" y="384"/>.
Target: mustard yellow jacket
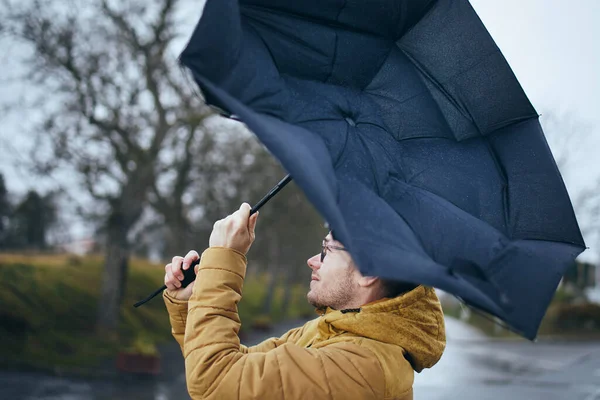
<point x="370" y="353"/>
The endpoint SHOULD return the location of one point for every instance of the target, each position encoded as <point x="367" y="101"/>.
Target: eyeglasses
<point x="327" y="247"/>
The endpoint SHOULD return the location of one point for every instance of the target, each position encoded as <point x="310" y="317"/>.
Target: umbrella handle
<point x="189" y="275"/>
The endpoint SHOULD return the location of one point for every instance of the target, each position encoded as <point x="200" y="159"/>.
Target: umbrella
<point x="406" y="128"/>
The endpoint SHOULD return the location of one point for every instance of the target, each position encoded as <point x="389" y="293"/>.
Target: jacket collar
<point x="413" y="321"/>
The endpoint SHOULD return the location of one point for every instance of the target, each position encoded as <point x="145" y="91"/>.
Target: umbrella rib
<point x="335" y="49"/>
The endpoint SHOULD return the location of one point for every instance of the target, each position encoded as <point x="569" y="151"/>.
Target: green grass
<point x="48" y="306"/>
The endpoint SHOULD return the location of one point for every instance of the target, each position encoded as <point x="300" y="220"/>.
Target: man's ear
<point x="367" y="281"/>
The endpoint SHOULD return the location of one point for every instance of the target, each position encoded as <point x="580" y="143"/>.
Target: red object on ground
<point x="138" y="363"/>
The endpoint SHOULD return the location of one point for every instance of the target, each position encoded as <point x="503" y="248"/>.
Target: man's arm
<point x="272" y="343"/>
<point x="216" y="368"/>
<point x="178" y="310"/>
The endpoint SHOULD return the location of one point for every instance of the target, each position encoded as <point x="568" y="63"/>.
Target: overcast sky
<point x="551" y="45"/>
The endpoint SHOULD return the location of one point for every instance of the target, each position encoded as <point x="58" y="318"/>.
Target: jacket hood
<point x="413" y="321"/>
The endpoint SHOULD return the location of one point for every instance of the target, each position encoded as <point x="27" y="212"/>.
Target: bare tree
<point x="5" y="211"/>
<point x="120" y="113"/>
<point x="567" y="136"/>
<point x="587" y="205"/>
<point x="118" y="110"/>
<point x="571" y="140"/>
<point x="227" y="166"/>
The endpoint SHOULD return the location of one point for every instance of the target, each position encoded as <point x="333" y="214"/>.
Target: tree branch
<point x="124" y="26"/>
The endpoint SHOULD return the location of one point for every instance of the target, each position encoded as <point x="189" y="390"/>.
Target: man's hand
<point x="236" y="231"/>
<point x="174" y="276"/>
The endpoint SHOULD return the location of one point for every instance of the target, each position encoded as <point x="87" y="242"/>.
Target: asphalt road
<point x="472" y="367"/>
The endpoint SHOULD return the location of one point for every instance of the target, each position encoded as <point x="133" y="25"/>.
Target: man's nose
<point x="314" y="262"/>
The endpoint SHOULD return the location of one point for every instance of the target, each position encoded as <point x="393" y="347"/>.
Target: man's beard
<point x="336" y="298"/>
<point x="316" y="304"/>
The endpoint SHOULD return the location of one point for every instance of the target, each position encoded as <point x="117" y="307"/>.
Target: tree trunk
<point x="597" y="283"/>
<point x="127" y="210"/>
<point x="114" y="276"/>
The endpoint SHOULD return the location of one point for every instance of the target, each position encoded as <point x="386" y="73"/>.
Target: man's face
<point x="335" y="280"/>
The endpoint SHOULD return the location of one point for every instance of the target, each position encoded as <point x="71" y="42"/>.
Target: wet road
<point x="472" y="367"/>
<point x="476" y="368"/>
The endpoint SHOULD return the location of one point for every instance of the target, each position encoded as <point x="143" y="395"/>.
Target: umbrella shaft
<point x="271" y="193"/>
<point x="254" y="209"/>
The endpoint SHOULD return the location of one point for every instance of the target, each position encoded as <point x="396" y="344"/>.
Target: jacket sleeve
<point x="272" y="343"/>
<point x="178" y="310"/>
<point x="216" y="368"/>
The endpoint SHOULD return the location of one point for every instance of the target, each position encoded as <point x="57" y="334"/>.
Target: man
<point x="364" y="345"/>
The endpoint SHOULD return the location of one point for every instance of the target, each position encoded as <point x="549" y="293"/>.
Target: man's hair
<point x="395" y="288"/>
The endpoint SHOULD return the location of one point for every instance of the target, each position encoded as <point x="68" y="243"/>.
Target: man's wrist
<point x="224" y="249"/>
<point x="221" y="258"/>
<point x="173" y="299"/>
<point x="224" y="258"/>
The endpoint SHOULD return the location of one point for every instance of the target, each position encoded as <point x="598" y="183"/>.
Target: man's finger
<point x="176" y="267"/>
<point x="243" y="214"/>
<point x="170" y="281"/>
<point x="189" y="259"/>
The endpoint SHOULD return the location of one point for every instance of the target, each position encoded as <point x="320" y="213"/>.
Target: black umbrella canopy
<point x="406" y="128"/>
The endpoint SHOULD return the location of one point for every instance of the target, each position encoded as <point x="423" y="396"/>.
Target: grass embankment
<point x="48" y="306"/>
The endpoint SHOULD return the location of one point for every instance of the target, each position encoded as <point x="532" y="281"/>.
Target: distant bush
<point x="262" y="323"/>
<point x="142" y="345"/>
<point x="565" y="296"/>
<point x="576" y="317"/>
